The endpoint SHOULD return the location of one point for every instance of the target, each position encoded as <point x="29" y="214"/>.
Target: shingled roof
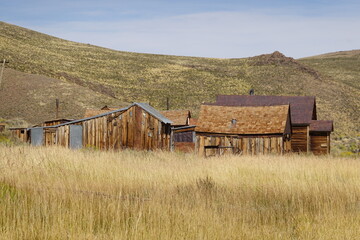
<point x="244" y="120"/>
<point x="94" y="112"/>
<point x="303" y="108"/>
<point x="178" y="117"/>
<point x="321" y="126"/>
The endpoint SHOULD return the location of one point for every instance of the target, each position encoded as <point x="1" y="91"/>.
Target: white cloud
<point x="220" y="34"/>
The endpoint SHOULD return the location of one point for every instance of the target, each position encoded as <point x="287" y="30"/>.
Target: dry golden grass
<point x="55" y="193"/>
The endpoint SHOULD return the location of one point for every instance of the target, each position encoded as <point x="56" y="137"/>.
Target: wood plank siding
<point x="21" y="133"/>
<point x="246" y="145"/>
<point x="300" y="139"/>
<point x="320" y="143"/>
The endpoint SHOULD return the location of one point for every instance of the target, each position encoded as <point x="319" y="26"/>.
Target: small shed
<point x="138" y="126"/>
<point x="320" y="131"/>
<point x="243" y="130"/>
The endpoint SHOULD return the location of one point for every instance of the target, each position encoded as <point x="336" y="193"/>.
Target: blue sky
<point x="212" y="28"/>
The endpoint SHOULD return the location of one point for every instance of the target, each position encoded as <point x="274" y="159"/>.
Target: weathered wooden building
<point x="303" y="114"/>
<point x="320" y="131"/>
<point x="243" y="130"/>
<point x="138" y="126"/>
<point x="183" y="133"/>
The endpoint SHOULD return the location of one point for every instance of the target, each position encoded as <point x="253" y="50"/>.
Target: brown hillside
<point x="32" y="97"/>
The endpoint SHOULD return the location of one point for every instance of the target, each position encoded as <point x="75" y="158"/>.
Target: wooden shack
<point x="138" y="126"/>
<point x="243" y="130"/>
<point x="303" y="112"/>
<point x="21" y="133"/>
<point x="320" y="131"/>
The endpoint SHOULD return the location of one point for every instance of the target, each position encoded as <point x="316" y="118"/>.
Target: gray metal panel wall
<point x="75" y="136"/>
<point x="37" y="136"/>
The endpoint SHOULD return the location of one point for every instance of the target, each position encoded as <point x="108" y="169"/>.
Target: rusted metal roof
<point x="244" y="120"/>
<point x="303" y="108"/>
<point x="321" y="126"/>
<point x="178" y="117"/>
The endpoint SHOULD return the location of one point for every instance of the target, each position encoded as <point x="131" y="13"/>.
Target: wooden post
<point x="57" y="108"/>
<point x="167" y="104"/>
<point x="308" y="139"/>
<point x="2" y="70"/>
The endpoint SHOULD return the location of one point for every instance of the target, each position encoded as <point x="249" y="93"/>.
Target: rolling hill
<point x="98" y="76"/>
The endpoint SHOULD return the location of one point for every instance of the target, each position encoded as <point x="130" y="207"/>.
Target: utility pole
<point x="2" y="70"/>
<point x="57" y="108"/>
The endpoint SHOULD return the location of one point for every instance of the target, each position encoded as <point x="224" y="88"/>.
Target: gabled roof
<point x="244" y="120"/>
<point x="321" y="126"/>
<point x="193" y="121"/>
<point x="152" y="111"/>
<point x="178" y="117"/>
<point x="303" y="108"/>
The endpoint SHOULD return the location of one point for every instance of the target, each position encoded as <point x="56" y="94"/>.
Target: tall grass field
<point x="56" y="193"/>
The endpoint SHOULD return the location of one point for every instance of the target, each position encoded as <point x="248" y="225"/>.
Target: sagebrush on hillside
<point x="55" y="193"/>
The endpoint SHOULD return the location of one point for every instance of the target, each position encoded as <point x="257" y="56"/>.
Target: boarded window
<point x="183" y="137"/>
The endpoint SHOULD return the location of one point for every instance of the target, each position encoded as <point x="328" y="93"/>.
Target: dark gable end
<point x="303" y="108"/>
